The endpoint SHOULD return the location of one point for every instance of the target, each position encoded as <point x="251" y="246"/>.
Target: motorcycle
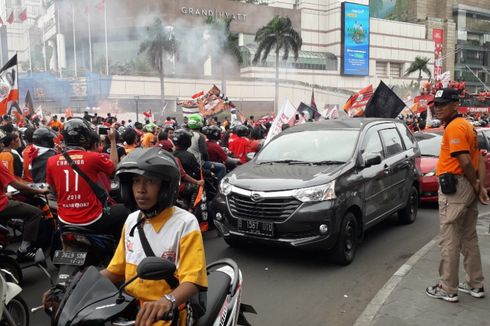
<point x="91" y="299"/>
<point x="13" y="309"/>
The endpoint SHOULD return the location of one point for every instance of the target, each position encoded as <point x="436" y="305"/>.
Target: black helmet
<point x="79" y="132"/>
<point x="182" y="138"/>
<point x="150" y="162"/>
<point x="44" y="137"/>
<point x="214" y="133"/>
<point x="241" y="131"/>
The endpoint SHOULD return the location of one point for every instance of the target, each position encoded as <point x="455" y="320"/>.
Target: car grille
<point x="276" y="209"/>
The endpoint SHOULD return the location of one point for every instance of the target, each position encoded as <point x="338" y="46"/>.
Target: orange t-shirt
<point x="459" y="136"/>
<point x="148" y="140"/>
<point x="7" y="159"/>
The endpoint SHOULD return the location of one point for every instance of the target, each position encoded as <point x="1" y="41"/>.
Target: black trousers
<point x="31" y="215"/>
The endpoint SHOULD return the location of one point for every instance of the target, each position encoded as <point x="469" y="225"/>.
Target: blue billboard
<point x="355" y="39"/>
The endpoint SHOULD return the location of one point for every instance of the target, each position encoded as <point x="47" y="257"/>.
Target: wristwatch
<point x="170" y="298"/>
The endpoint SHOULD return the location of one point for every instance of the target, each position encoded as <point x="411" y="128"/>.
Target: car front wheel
<point x="408" y="214"/>
<point x="346" y="246"/>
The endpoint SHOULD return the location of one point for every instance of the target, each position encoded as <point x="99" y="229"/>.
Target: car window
<point x="429" y="143"/>
<point x="372" y="143"/>
<point x="407" y="136"/>
<point x="311" y="146"/>
<point x="482" y="142"/>
<point x="392" y="141"/>
<point x="487" y="136"/>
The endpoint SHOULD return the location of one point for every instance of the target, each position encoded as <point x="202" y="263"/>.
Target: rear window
<point x="407" y="136"/>
<point x="311" y="146"/>
<point x="391" y="141"/>
<point x="429" y="143"/>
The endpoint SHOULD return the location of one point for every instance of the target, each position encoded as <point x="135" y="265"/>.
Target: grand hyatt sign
<point x="189" y="11"/>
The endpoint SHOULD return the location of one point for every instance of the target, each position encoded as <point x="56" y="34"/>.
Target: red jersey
<point x="77" y="203"/>
<point x="215" y="152"/>
<point x="5" y="179"/>
<point x="240" y="148"/>
<point x="27" y="157"/>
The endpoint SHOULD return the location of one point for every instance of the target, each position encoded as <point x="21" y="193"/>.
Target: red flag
<point x="357" y="102"/>
<point x="100" y="5"/>
<point x="10" y="20"/>
<point x="147" y="114"/>
<point x="23" y="15"/>
<point x="9" y="84"/>
<point x="201" y="93"/>
<point x="313" y="104"/>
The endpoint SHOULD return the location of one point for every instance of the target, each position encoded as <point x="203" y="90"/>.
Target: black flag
<point x="384" y="103"/>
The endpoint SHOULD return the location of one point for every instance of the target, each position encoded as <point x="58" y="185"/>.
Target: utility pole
<point x="136" y="98"/>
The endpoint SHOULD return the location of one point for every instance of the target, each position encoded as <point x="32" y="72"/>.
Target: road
<point x="289" y="287"/>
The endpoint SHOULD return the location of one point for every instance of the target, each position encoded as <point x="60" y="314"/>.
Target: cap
<point x="446" y="95"/>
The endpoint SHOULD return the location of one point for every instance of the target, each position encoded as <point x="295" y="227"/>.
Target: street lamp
<point x="136" y="98"/>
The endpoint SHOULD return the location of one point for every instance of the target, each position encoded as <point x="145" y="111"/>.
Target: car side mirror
<point x="155" y="268"/>
<point x="371" y="159"/>
<point x="251" y="155"/>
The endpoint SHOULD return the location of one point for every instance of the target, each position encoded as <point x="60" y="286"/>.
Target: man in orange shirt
<point x="55" y="123"/>
<point x="461" y="173"/>
<point x="149" y="138"/>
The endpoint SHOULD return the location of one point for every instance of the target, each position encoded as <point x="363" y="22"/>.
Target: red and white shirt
<point x="77" y="202"/>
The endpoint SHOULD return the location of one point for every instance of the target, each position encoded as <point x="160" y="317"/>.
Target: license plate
<point x="256" y="227"/>
<point x="69" y="258"/>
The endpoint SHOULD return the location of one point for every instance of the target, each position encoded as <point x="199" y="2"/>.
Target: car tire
<point x="408" y="214"/>
<point x="346" y="246"/>
<point x="17" y="308"/>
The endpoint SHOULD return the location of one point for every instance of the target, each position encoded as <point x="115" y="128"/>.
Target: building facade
<point x="94" y="45"/>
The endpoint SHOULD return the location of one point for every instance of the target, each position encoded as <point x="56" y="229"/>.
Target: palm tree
<point x="159" y="43"/>
<point x="230" y="46"/>
<point x="420" y="65"/>
<point x="280" y="35"/>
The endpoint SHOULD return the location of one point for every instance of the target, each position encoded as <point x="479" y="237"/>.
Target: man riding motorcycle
<point x="36" y="156"/>
<point x="216" y="152"/>
<point x="150" y="179"/>
<point x="77" y="202"/>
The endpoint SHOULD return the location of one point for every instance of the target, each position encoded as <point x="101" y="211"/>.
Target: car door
<point x="397" y="167"/>
<point x="374" y="177"/>
<point x="484" y="142"/>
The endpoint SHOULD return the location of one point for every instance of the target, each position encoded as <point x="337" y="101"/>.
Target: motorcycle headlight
<point x="430" y="174"/>
<point x="319" y="193"/>
<point x="225" y="187"/>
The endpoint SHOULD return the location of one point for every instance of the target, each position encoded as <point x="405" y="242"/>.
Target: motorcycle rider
<point x="19" y="210"/>
<point x="77" y="202"/>
<point x="241" y="145"/>
<point x="150" y="178"/>
<point x="216" y="152"/>
<point x="36" y="156"/>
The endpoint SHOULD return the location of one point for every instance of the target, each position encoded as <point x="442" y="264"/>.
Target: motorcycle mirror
<point x="155" y="268"/>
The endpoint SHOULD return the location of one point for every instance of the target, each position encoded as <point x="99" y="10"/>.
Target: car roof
<point x="347" y="123"/>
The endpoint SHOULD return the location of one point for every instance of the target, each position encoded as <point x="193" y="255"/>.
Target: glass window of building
<point x="381" y="68"/>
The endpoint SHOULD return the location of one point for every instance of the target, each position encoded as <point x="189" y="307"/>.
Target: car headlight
<point x="430" y="174"/>
<point x="225" y="187"/>
<point x="319" y="193"/>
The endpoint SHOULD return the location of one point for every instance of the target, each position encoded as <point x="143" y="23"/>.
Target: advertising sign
<point x="355" y="39"/>
<point x="438" y="37"/>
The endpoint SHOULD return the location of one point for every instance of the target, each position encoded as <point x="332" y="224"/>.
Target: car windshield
<point x="312" y="147"/>
<point x="429" y="143"/>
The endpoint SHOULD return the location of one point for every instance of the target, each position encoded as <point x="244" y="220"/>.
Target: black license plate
<point x="256" y="227"/>
<point x="74" y="258"/>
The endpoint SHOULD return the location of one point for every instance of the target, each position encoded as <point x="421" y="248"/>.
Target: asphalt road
<point x="289" y="287"/>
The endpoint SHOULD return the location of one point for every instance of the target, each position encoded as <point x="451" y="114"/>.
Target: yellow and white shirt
<point x="174" y="234"/>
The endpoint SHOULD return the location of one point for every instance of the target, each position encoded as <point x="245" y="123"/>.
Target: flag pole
<point x="89" y="39"/>
<point x="74" y="39"/>
<point x="106" y="49"/>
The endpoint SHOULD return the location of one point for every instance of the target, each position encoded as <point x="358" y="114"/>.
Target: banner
<point x="438" y="37"/>
<point x="384" y="103"/>
<point x="286" y="115"/>
<point x="355" y="39"/>
<point x="356" y="104"/>
<point x="9" y="89"/>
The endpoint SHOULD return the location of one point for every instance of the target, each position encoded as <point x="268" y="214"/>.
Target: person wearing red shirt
<point x="19" y="210"/>
<point x="241" y="145"/>
<point x="77" y="202"/>
<point x="216" y="153"/>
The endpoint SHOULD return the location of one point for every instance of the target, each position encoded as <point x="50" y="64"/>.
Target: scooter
<point x="91" y="299"/>
<point x="13" y="309"/>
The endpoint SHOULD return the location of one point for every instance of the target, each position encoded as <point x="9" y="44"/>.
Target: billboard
<point x="390" y="9"/>
<point x="438" y="37"/>
<point x="355" y="39"/>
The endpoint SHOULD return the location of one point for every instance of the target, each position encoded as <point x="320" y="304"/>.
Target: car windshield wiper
<point x="328" y="162"/>
<point x="430" y="155"/>
<point x="286" y="162"/>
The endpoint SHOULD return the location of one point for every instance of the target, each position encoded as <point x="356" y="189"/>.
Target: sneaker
<point x="474" y="292"/>
<point x="437" y="292"/>
<point x="26" y="256"/>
